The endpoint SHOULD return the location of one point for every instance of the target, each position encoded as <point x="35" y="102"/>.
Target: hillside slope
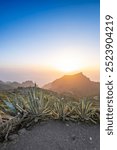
<point x="78" y="85"/>
<point x="14" y="85"/>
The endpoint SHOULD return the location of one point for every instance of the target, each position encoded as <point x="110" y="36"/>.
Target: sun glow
<point x="67" y="67"/>
<point x="69" y="61"/>
<point x="67" y="64"/>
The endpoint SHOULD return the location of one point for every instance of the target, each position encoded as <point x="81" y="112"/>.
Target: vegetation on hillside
<point x="33" y="105"/>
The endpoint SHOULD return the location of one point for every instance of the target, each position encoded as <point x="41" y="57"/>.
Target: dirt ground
<point x="57" y="135"/>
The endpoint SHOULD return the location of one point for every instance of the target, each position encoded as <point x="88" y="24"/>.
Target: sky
<point x="41" y="40"/>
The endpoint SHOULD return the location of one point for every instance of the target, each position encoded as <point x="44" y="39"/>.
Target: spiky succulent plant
<point x="35" y="106"/>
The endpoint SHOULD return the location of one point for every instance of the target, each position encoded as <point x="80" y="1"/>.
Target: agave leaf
<point x="9" y="105"/>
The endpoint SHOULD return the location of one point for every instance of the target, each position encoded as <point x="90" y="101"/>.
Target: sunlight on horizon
<point x="44" y="40"/>
<point x="66" y="62"/>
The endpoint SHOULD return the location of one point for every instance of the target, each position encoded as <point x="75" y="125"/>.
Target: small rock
<point x="22" y="131"/>
<point x="36" y="120"/>
<point x="12" y="137"/>
<point x="90" y="138"/>
<point x="67" y="125"/>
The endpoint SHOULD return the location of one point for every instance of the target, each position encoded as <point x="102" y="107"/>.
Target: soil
<point x="57" y="135"/>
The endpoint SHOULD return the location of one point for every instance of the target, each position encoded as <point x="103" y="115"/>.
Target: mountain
<point x="27" y="84"/>
<point x="13" y="85"/>
<point x="76" y="85"/>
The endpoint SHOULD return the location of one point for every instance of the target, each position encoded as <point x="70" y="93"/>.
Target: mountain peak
<point x="80" y="73"/>
<point x="77" y="84"/>
<point x="78" y="76"/>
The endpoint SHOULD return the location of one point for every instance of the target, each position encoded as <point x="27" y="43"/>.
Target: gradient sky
<point x="38" y="38"/>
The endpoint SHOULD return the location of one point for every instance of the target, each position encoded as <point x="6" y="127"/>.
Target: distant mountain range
<point x="13" y="85"/>
<point x="75" y="85"/>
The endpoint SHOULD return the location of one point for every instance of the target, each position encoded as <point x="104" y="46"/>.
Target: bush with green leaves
<point x="86" y="111"/>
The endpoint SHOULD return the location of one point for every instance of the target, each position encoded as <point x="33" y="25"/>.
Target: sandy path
<point x="56" y="135"/>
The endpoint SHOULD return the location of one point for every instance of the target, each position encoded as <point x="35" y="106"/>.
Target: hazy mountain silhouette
<point x="77" y="85"/>
<point x="12" y="85"/>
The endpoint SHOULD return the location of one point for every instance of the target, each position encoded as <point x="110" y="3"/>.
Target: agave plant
<point x="61" y="110"/>
<point x="72" y="106"/>
<point x="85" y="111"/>
<point x="34" y="106"/>
<point x="26" y="111"/>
